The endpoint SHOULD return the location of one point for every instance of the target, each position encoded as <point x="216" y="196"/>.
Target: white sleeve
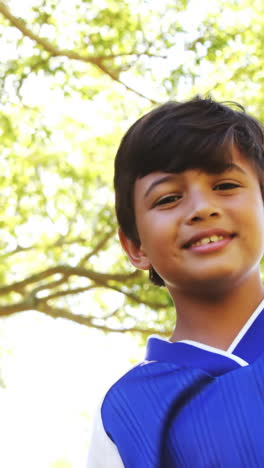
<point x="102" y="452"/>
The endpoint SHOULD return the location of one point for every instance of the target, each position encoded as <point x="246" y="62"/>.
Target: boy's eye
<point x="167" y="200"/>
<point x="226" y="186"/>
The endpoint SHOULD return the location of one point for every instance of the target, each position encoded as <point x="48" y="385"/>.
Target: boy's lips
<point x="209" y="236"/>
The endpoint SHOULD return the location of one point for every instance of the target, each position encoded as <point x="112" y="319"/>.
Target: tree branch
<point x="22" y="306"/>
<point x="50" y="285"/>
<point x="56" y="312"/>
<point x="129" y="54"/>
<point x="60" y="242"/>
<point x="98" y="247"/>
<point x="137" y="299"/>
<point x="67" y="293"/>
<point x="55" y="52"/>
<point x="67" y="271"/>
<point x="64" y="313"/>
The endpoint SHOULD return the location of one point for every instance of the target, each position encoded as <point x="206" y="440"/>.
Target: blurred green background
<point x="74" y="75"/>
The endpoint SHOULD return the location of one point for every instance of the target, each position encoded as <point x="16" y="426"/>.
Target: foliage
<point x="73" y="76"/>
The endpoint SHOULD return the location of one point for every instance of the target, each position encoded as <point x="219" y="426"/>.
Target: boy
<point x="189" y="183"/>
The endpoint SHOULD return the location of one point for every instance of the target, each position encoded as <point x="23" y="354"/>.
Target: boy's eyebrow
<point x="227" y="168"/>
<point x="159" y="181"/>
<point x="231" y="167"/>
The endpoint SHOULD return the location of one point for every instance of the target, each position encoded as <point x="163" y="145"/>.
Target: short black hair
<point x="176" y="136"/>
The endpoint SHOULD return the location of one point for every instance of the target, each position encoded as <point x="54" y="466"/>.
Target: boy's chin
<point x="208" y="283"/>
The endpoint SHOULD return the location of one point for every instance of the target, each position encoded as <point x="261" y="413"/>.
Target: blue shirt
<point x="191" y="405"/>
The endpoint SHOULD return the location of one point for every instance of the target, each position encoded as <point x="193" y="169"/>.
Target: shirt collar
<point x="244" y="349"/>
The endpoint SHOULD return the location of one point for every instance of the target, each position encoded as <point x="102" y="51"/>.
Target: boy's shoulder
<point x="139" y="391"/>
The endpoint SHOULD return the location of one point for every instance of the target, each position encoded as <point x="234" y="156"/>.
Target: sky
<point x="55" y="373"/>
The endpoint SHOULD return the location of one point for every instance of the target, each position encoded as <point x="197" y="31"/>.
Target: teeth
<point x="208" y="240"/>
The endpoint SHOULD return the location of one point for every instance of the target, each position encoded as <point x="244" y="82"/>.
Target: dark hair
<point x="176" y="136"/>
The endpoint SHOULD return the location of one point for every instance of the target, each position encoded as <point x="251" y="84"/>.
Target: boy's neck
<point x="216" y="322"/>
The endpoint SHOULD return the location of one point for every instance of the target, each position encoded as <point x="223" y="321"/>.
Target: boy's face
<point x="198" y="229"/>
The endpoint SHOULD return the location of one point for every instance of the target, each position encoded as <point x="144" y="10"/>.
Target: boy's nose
<point x="201" y="208"/>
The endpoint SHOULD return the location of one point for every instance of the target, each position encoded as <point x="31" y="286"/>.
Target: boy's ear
<point x="135" y="253"/>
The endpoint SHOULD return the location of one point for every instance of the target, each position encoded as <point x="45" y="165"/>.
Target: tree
<point x="71" y="82"/>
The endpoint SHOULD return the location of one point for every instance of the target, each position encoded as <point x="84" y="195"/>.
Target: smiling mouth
<point x="208" y="240"/>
